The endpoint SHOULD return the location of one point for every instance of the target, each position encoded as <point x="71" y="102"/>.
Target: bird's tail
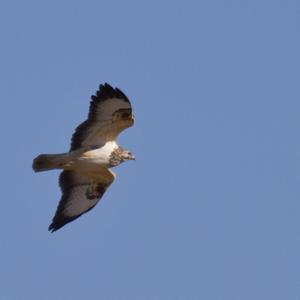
<point x="45" y="162"/>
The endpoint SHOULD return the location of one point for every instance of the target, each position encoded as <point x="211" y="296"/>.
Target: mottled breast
<point x="118" y="156"/>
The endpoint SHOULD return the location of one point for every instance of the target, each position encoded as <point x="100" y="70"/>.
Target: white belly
<point x="96" y="158"/>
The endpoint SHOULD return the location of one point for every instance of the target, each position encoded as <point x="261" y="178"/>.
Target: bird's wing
<point x="110" y="113"/>
<point x="80" y="194"/>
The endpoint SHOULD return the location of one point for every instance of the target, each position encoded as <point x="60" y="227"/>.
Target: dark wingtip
<point x="106" y="91"/>
<point x="122" y="95"/>
<point x="108" y="86"/>
<point x="58" y="223"/>
<point x="52" y="228"/>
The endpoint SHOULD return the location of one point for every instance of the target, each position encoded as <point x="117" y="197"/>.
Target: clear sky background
<point x="211" y="207"/>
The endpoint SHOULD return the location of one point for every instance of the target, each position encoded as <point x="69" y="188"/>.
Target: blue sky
<point x="211" y="207"/>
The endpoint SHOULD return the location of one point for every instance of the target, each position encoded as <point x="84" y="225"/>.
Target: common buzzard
<point x="94" y="151"/>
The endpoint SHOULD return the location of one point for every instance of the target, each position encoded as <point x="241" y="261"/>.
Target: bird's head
<point x="127" y="155"/>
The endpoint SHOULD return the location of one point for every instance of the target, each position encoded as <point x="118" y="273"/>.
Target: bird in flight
<point x="94" y="151"/>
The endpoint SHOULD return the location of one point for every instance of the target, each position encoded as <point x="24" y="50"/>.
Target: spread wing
<point x="110" y="113"/>
<point x="80" y="194"/>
